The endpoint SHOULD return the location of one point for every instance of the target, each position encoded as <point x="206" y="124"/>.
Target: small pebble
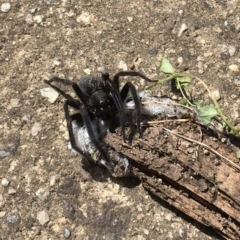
<point x="87" y="71"/>
<point x="50" y="94"/>
<point x="14" y="102"/>
<point x="33" y="10"/>
<point x="180" y="12"/>
<point x="67" y="233"/>
<point x="122" y="65"/>
<point x="153" y="51"/>
<point x="4" y="182"/>
<point x="85" y="18"/>
<point x="206" y="152"/>
<point x="4" y="154"/>
<point x="168" y="217"/>
<point x="182" y="29"/>
<point x="234" y="68"/>
<point x="29" y="18"/>
<point x="57" y="62"/>
<point x="43" y="217"/>
<point x="129" y="19"/>
<point x="231" y="50"/>
<point x="5" y="7"/>
<point x="181" y="233"/>
<point x="52" y="181"/>
<point x="37" y="19"/>
<point x="215" y="94"/>
<point x="180" y="60"/>
<point x="26" y="118"/>
<point x="36" y="128"/>
<point x="43" y="193"/>
<point x="140" y="237"/>
<point x="13" y="219"/>
<point x="227" y="50"/>
<point x="2" y="213"/>
<point x="146" y="232"/>
<point x="11" y="191"/>
<point x="223" y="140"/>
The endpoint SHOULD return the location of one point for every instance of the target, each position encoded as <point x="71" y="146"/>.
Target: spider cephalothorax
<point x="101" y="102"/>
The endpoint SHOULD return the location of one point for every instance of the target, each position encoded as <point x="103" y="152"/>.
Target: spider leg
<point x="92" y="135"/>
<point x="71" y="101"/>
<point x="69" y="121"/>
<point x="118" y="102"/>
<point x="129" y="86"/>
<point x="67" y="82"/>
<point x="130" y="73"/>
<point x="87" y="122"/>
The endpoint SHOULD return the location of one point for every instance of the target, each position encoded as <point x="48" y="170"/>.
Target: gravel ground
<point x="43" y="192"/>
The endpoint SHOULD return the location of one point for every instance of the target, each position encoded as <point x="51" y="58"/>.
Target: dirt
<point x="68" y="39"/>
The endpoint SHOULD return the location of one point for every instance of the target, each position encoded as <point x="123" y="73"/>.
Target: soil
<point x="69" y="39"/>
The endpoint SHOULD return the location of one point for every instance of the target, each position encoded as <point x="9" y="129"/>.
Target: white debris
<point x="11" y="191"/>
<point x="231" y="50"/>
<point x="43" y="193"/>
<point x="129" y="19"/>
<point x="4" y="154"/>
<point x="5" y="7"/>
<point x="87" y="71"/>
<point x="161" y="107"/>
<point x="67" y="233"/>
<point x="85" y="18"/>
<point x="50" y="94"/>
<point x="180" y="12"/>
<point x="29" y="18"/>
<point x="227" y="50"/>
<point x="122" y="65"/>
<point x="180" y="60"/>
<point x="26" y="118"/>
<point x="181" y="233"/>
<point x="57" y="62"/>
<point x="146" y="231"/>
<point x="37" y="18"/>
<point x="5" y="182"/>
<point x="215" y="94"/>
<point x="234" y="68"/>
<point x="43" y="217"/>
<point x="53" y="180"/>
<point x="36" y="128"/>
<point x="182" y="29"/>
<point x="14" y="102"/>
<point x="33" y="10"/>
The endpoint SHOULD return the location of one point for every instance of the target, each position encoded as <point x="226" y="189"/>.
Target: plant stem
<point x="234" y="129"/>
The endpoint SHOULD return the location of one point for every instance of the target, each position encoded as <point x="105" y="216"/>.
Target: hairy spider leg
<point x="69" y="121"/>
<point x="87" y="122"/>
<point x="129" y="86"/>
<point x="118" y="102"/>
<point x="67" y="82"/>
<point x="130" y="73"/>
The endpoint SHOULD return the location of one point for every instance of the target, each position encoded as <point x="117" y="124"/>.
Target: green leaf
<point x="166" y="66"/>
<point x="238" y="153"/>
<point x="206" y="113"/>
<point x="183" y="101"/>
<point x="184" y="80"/>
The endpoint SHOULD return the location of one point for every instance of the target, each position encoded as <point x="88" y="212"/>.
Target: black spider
<point x="100" y="99"/>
